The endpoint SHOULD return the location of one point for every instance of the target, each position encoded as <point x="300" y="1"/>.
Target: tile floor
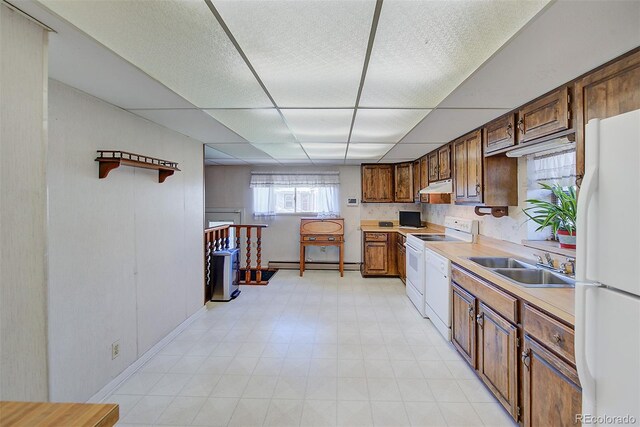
<point x="314" y="351"/>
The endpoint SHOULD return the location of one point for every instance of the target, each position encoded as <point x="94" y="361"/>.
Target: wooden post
<point x="258" y="254"/>
<point x="247" y="272"/>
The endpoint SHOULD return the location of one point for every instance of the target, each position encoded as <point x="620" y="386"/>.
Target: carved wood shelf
<point x="110" y="159"/>
<point x="496" y="211"/>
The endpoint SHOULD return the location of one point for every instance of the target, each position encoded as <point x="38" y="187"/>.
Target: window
<point x="277" y="193"/>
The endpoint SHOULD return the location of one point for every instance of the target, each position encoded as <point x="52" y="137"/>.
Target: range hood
<point x="555" y="143"/>
<point x="439" y="187"/>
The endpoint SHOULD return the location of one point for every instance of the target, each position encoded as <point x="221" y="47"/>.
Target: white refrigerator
<point x="607" y="310"/>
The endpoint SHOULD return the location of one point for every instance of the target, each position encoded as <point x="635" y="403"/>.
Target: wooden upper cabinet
<point x="424" y="178"/>
<point x="403" y="183"/>
<point x="377" y="183"/>
<point x="416" y="181"/>
<point x="463" y="323"/>
<point x="546" y="116"/>
<point x="468" y="162"/>
<point x="611" y="90"/>
<point x="444" y="162"/>
<point x="433" y="166"/>
<point x="499" y="134"/>
<point x="498" y="357"/>
<point x="551" y="395"/>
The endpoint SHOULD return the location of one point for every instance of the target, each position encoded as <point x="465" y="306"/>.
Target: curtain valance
<point x="294" y="179"/>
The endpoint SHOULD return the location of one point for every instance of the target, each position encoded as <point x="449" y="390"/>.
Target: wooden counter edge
<point x="46" y="414"/>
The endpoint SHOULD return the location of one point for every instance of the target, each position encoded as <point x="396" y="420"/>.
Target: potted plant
<point x="561" y="216"/>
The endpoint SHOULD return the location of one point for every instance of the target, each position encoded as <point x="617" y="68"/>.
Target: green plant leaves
<point x="560" y="216"/>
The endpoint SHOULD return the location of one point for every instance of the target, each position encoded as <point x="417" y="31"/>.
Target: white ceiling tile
<point x="402" y="152"/>
<point x="328" y="150"/>
<point x="295" y="162"/>
<point x="555" y="53"/>
<point x="179" y="43"/>
<point x="425" y="49"/>
<point x="308" y="53"/>
<point x="367" y="151"/>
<point x="213" y="154"/>
<point x="193" y="123"/>
<point x="378" y="125"/>
<point x="319" y="125"/>
<point x="442" y="126"/>
<point x="241" y="151"/>
<point x="291" y="151"/>
<point x="255" y="125"/>
<point x="230" y="162"/>
<point x="326" y="162"/>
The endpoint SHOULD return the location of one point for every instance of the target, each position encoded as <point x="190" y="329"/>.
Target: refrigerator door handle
<point x="586" y="192"/>
<point x="587" y="382"/>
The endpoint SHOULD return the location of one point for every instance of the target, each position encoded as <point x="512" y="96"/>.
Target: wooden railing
<point x="219" y="238"/>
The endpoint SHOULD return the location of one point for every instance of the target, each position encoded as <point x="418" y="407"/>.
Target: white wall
<point x="228" y="187"/>
<point x="23" y="339"/>
<point x="125" y="252"/>
<point x="512" y="227"/>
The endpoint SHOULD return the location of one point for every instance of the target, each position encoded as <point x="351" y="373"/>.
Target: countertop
<point x="18" y="414"/>
<point x="557" y="301"/>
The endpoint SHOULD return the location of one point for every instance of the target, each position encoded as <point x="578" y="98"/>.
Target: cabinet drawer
<point x="553" y="334"/>
<point x="375" y="237"/>
<point x="322" y="238"/>
<point x="499" y="301"/>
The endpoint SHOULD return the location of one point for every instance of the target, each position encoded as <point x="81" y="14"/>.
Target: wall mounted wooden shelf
<point x="110" y="159"/>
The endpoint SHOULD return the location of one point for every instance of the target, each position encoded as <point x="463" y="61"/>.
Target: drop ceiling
<point x="313" y="81"/>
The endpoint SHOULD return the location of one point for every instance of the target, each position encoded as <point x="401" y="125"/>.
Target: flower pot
<point x="567" y="240"/>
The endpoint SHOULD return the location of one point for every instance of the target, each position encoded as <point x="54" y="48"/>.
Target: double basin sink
<point x="523" y="273"/>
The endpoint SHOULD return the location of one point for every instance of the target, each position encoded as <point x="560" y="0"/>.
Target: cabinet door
<point x="401" y="260"/>
<point x="424" y="177"/>
<point x="498" y="357"/>
<point x="416" y="181"/>
<point x="474" y="168"/>
<point x="444" y="162"/>
<point x="375" y="258"/>
<point x="609" y="91"/>
<point x="463" y="324"/>
<point x="551" y="395"/>
<point x="460" y="169"/>
<point x="545" y="116"/>
<point x="377" y="183"/>
<point x="403" y="183"/>
<point x="499" y="134"/>
<point x="433" y="166"/>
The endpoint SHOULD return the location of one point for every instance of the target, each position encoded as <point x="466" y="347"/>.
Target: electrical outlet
<point x="115" y="350"/>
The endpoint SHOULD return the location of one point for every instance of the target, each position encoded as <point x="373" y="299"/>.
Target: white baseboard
<point x="135" y="366"/>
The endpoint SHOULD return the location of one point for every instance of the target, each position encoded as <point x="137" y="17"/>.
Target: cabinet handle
<point x="331" y="239"/>
<point x="521" y="126"/>
<point x="312" y="239"/>
<point x="478" y="188"/>
<point x="526" y="359"/>
<point x="510" y="130"/>
<point x="471" y="311"/>
<point x="556" y="337"/>
<point x="480" y="319"/>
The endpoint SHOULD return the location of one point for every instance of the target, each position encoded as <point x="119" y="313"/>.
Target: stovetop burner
<point x="436" y="238"/>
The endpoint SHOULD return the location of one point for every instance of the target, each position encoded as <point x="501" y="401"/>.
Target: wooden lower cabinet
<point x="379" y="254"/>
<point x="463" y="324"/>
<point x="498" y="357"/>
<point x="551" y="395"/>
<point x="401" y="260"/>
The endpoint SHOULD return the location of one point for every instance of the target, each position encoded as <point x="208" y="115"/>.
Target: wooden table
<point x="36" y="414"/>
<point x="321" y="232"/>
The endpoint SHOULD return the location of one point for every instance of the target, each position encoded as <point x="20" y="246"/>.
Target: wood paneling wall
<point x="23" y="212"/>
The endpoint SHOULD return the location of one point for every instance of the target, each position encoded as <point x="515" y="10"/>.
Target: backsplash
<point x="386" y="211"/>
<point x="512" y="227"/>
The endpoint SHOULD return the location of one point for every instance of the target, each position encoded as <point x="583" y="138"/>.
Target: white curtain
<point x="555" y="168"/>
<point x="325" y="184"/>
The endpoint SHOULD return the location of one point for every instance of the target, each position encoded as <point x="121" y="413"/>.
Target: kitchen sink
<point x="499" y="262"/>
<point x="536" y="278"/>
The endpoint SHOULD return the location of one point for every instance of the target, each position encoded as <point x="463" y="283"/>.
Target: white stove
<point x="428" y="273"/>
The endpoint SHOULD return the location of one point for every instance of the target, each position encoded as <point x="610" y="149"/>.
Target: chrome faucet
<point x="548" y="263"/>
<point x="569" y="266"/>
